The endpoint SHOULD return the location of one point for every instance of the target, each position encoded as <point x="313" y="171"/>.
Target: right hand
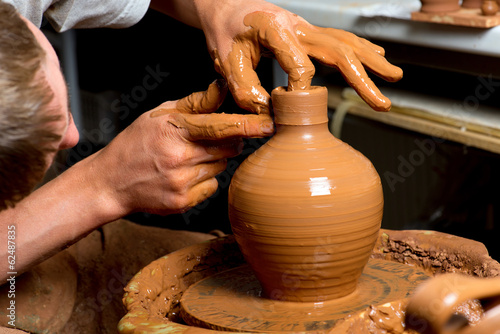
<point x="166" y="161"/>
<point x="237" y="32"/>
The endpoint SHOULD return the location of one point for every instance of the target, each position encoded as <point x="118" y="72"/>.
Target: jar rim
<point x="300" y="107"/>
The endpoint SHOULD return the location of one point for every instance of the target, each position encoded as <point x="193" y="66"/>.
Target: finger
<point x="223" y="126"/>
<point x="206" y="184"/>
<point x="197" y="103"/>
<point x="208" y="170"/>
<point x="244" y="84"/>
<point x="222" y="149"/>
<point x="204" y="102"/>
<point x="342" y="57"/>
<point x="349" y="38"/>
<point x="376" y="48"/>
<point x="200" y="192"/>
<point x="371" y="56"/>
<point x="213" y="150"/>
<point x="355" y="75"/>
<point x="192" y="187"/>
<point x="193" y="174"/>
<point x="291" y="56"/>
<point x="380" y="66"/>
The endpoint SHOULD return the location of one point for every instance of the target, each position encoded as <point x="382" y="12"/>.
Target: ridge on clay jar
<point x="305" y="208"/>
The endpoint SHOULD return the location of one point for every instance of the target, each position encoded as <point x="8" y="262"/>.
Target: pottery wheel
<point x="231" y="300"/>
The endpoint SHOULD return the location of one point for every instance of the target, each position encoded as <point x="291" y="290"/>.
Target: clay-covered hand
<point x="237" y="31"/>
<point x="166" y="161"/>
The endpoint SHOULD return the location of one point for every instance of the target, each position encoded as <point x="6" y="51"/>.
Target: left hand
<point x="167" y="160"/>
<point x="237" y="30"/>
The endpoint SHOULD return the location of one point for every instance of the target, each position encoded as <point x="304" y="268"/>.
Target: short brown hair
<point x="24" y="113"/>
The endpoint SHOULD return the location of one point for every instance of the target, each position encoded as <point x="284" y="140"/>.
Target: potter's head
<point x="35" y="121"/>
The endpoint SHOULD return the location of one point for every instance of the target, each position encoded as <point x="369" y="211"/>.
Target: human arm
<point x="163" y="164"/>
<point x="237" y="31"/>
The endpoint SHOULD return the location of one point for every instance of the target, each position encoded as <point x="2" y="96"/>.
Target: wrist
<point x="97" y="191"/>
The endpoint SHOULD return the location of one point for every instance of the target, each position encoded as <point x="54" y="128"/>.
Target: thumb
<point x="204" y="102"/>
<point x="197" y="103"/>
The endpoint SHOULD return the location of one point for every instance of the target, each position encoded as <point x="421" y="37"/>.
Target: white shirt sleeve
<point x="31" y="9"/>
<point x="67" y="14"/>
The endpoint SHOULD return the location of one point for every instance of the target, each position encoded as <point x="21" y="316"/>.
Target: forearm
<point x="52" y="218"/>
<point x="181" y="10"/>
<point x="200" y="13"/>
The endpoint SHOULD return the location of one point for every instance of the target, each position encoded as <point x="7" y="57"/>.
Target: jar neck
<point x="300" y="107"/>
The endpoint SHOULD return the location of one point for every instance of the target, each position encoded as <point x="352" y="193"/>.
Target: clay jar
<point x="439" y="6"/>
<point x="305" y="208"/>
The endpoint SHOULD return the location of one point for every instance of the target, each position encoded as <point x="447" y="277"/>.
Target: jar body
<point x="306" y="209"/>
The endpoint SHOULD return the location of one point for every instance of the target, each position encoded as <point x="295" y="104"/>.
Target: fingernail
<point x="267" y="127"/>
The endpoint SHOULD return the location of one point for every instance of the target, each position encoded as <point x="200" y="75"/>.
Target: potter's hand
<point x="237" y="30"/>
<point x="167" y="160"/>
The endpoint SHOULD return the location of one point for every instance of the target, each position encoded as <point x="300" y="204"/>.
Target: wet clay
<point x="439" y="6"/>
<point x="152" y="296"/>
<point x="391" y="318"/>
<point x="283" y="44"/>
<point x="232" y="300"/>
<point x="434" y="305"/>
<point x="44" y="296"/>
<point x="352" y="63"/>
<point x="305" y="208"/>
<point x="292" y="49"/>
<point x="436" y="252"/>
<point x="446" y="254"/>
<point x="79" y="290"/>
<point x="222" y="126"/>
<point x="195" y="113"/>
